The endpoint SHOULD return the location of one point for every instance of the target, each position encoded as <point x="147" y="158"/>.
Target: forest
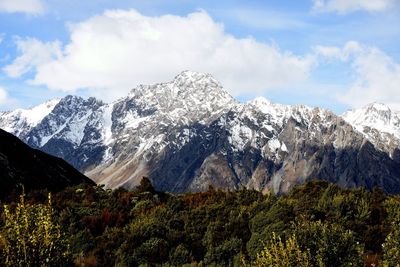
<point x="315" y="224"/>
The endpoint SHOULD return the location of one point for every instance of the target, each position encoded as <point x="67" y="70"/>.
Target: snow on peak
<point x="375" y="116"/>
<point x="378" y="106"/>
<point x="197" y="84"/>
<point x="188" y="76"/>
<point x="260" y="101"/>
<point x="70" y="121"/>
<point x="36" y="114"/>
<point x="264" y="105"/>
<point x="189" y="95"/>
<point x="21" y="121"/>
<point x="278" y="113"/>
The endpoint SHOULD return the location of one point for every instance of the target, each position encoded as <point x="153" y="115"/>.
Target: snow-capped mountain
<point x="190" y="133"/>
<point x="21" y="121"/>
<point x="379" y="124"/>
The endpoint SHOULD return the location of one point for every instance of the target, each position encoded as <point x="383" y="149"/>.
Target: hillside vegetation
<point x="316" y="224"/>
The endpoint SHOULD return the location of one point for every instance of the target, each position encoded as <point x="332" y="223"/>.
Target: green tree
<point x="330" y="244"/>
<point x="180" y="255"/>
<point x="30" y="236"/>
<point x="391" y="246"/>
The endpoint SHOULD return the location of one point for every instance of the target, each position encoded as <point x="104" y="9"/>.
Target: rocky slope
<point x="190" y="133"/>
<point x="22" y="165"/>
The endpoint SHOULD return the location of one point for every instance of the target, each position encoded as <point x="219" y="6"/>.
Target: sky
<point x="335" y="54"/>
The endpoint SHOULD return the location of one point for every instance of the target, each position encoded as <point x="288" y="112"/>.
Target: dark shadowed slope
<point x="20" y="164"/>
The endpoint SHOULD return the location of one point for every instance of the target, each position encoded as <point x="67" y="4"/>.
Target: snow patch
<point x="107" y="124"/>
<point x="76" y="129"/>
<point x="276" y="145"/>
<point x="240" y="136"/>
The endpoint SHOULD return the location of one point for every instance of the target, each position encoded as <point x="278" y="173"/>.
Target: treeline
<point x="316" y="224"/>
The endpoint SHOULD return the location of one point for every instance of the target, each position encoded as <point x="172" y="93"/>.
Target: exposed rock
<point x="190" y="133"/>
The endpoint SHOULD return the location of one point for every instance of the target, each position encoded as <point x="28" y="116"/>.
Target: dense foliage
<point x="316" y="224"/>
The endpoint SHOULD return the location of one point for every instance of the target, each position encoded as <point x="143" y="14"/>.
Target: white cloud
<point x="22" y="6"/>
<point x="337" y="53"/>
<point x="6" y="101"/>
<point x="33" y="53"/>
<point x="377" y="76"/>
<point x="346" y="6"/>
<point x="3" y="95"/>
<point x="115" y="51"/>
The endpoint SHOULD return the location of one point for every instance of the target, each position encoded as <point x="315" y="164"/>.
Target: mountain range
<point x="189" y="133"/>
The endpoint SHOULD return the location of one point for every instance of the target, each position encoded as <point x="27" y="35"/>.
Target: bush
<point x="330" y="244"/>
<point x="286" y="254"/>
<point x="180" y="255"/>
<point x="30" y="237"/>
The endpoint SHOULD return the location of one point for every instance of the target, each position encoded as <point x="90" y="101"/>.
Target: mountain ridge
<point x="189" y="133"/>
<point x="34" y="169"/>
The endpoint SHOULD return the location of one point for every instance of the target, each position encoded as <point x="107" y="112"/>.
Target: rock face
<point x="20" y="164"/>
<point x="190" y="133"/>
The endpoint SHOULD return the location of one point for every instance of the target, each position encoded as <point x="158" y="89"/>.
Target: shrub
<point x="330" y="244"/>
<point x="286" y="254"/>
<point x="30" y="236"/>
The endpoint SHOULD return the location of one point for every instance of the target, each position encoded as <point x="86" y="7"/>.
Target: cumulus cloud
<point x="33" y="53"/>
<point x="113" y="52"/>
<point x="23" y="6"/>
<point x="346" y="6"/>
<point x="377" y="75"/>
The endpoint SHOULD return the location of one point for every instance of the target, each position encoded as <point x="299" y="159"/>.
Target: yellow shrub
<point x="30" y="237"/>
<point x="278" y="253"/>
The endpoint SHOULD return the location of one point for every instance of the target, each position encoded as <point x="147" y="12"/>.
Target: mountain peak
<point x="371" y="114"/>
<point x="185" y="81"/>
<point x="278" y="111"/>
<point x="378" y="106"/>
<point x="198" y="82"/>
<point x="379" y="111"/>
<point x="374" y="116"/>
<point x="189" y="92"/>
<point x="35" y="114"/>
<point x="260" y="101"/>
<point x="189" y="77"/>
<point x="20" y="121"/>
<point x="194" y="75"/>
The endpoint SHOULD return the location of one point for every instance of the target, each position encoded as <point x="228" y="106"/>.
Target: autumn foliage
<point x="316" y="224"/>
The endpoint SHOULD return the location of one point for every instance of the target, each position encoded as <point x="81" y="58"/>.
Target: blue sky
<point x="334" y="54"/>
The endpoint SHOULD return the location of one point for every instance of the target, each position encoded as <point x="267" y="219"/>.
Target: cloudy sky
<point x="337" y="54"/>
